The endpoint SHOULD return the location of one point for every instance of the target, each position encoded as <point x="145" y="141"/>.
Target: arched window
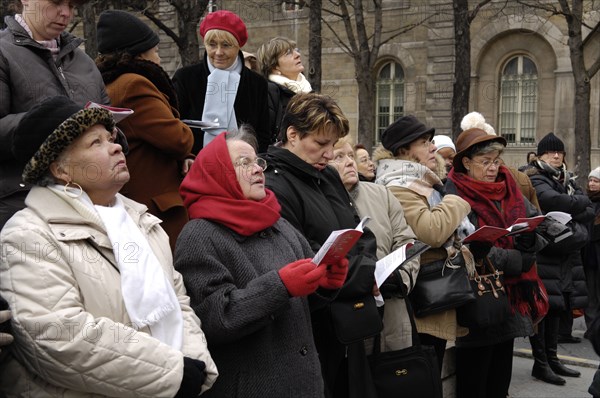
<point x="390" y="95"/>
<point x="518" y="100"/>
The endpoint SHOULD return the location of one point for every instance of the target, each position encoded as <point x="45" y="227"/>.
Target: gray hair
<point x="478" y="150"/>
<point x="244" y="133"/>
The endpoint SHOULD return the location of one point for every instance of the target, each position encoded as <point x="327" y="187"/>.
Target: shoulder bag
<point x="410" y="372"/>
<point x="441" y="285"/>
<point x="491" y="306"/>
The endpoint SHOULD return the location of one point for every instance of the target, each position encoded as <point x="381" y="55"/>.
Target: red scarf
<point x="211" y="191"/>
<point x="526" y="292"/>
<point x="482" y="195"/>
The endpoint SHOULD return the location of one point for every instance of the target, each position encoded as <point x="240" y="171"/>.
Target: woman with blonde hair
<point x="220" y="90"/>
<point x="280" y="62"/>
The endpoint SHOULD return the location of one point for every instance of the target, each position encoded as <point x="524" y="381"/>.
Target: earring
<point x="73" y="190"/>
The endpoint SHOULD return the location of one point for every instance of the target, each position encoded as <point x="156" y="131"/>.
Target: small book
<point x="339" y="243"/>
<point x="491" y="234"/>
<point x="200" y="124"/>
<point x="405" y="253"/>
<point x="118" y="113"/>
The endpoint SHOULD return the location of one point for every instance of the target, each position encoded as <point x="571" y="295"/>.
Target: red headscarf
<point x="211" y="191"/>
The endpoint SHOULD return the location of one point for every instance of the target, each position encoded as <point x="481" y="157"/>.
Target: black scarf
<point x="149" y="70"/>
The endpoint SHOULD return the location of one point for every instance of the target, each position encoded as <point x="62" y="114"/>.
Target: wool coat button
<point x="303" y="351"/>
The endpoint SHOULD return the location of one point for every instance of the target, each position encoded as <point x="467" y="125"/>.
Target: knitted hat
<point x="48" y="128"/>
<point x="122" y="31"/>
<point x="550" y="142"/>
<point x="404" y="131"/>
<point x="467" y="139"/>
<point x="443" y="141"/>
<point x="595" y="173"/>
<point x="227" y="21"/>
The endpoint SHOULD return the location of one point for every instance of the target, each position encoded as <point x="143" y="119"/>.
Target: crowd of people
<point x="146" y="256"/>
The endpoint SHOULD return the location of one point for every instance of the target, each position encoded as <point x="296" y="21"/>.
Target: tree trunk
<point x="462" y="65"/>
<point x="188" y="41"/>
<point x="88" y="17"/>
<point x="315" y="43"/>
<point x="366" y="108"/>
<point x="582" y="90"/>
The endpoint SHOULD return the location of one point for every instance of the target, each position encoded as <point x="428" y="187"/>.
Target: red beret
<point x="227" y="21"/>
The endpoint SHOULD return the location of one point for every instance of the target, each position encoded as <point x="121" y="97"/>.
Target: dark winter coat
<point x="28" y="75"/>
<point x="560" y="265"/>
<point x="260" y="338"/>
<point x="316" y="203"/>
<point x="279" y="96"/>
<point x="251" y="100"/>
<point x="512" y="262"/>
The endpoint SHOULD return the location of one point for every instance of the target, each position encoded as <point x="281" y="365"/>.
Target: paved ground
<point x="578" y="356"/>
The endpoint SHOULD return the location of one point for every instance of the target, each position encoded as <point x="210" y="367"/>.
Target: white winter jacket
<point x="60" y="277"/>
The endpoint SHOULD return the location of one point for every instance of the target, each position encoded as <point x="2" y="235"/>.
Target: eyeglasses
<point x="247" y="162"/>
<point x="341" y="157"/>
<point x="488" y="163"/>
<point x="554" y="152"/>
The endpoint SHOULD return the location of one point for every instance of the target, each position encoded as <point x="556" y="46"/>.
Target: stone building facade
<point x="521" y="78"/>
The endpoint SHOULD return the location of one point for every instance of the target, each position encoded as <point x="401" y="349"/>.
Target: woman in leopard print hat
<point x="91" y="271"/>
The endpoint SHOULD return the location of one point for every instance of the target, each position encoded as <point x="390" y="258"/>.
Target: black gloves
<point x="193" y="378"/>
<point x="525" y="242"/>
<point x="480" y="249"/>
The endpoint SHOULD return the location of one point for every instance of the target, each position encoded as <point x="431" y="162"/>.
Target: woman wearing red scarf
<point x="484" y="356"/>
<point x="248" y="272"/>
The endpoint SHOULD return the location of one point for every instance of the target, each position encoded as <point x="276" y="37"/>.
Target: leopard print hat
<point x="48" y="128"/>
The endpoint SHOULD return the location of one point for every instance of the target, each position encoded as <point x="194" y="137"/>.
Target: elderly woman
<point x="160" y="144"/>
<point x="391" y="231"/>
<point x="221" y="90"/>
<point x="591" y="253"/>
<point x="39" y="60"/>
<point x="408" y="167"/>
<point x="105" y="298"/>
<point x="314" y="200"/>
<point x="248" y="276"/>
<point x="484" y="356"/>
<point x="280" y="62"/>
<point x="364" y="164"/>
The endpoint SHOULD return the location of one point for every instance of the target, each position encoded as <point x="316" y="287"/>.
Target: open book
<point x="490" y="234"/>
<point x="405" y="253"/>
<point x="117" y="113"/>
<point x="339" y="243"/>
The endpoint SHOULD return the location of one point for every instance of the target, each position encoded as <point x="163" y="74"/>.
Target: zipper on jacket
<point x="61" y="72"/>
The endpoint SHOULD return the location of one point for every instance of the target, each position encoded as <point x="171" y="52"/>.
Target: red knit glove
<point x="301" y="277"/>
<point x="335" y="276"/>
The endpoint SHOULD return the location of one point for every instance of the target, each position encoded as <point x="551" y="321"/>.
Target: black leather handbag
<point x="410" y="372"/>
<point x="491" y="306"/>
<point x="440" y="286"/>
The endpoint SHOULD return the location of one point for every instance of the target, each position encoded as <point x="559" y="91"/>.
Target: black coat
<point x="251" y="100"/>
<point x="316" y="203"/>
<point x="562" y="270"/>
<point x="279" y="96"/>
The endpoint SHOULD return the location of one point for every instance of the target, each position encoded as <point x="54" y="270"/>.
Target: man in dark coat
<point x="559" y="264"/>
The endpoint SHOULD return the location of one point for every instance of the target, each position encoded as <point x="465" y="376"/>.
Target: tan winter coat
<point x="60" y="277"/>
<point x="431" y="225"/>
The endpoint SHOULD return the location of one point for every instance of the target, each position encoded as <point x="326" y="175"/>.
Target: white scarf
<point x="410" y="175"/>
<point x="221" y="90"/>
<point x="148" y="295"/>
<point x="300" y="85"/>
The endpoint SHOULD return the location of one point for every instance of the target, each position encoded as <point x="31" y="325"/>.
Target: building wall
<point x="426" y="56"/>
